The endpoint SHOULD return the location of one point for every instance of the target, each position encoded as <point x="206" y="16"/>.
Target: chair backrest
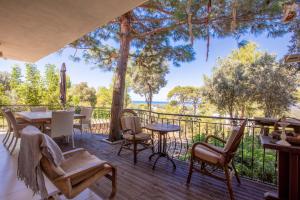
<point x="235" y="139"/>
<point x="13" y="122"/>
<point x="130" y="121"/>
<point x="38" y="109"/>
<point x="62" y="123"/>
<point x="87" y="112"/>
<point x="9" y="126"/>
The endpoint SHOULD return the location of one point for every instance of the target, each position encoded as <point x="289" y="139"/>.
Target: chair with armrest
<point x="9" y="128"/>
<point x="79" y="171"/>
<point x="217" y="158"/>
<point x="15" y="127"/>
<point x="133" y="134"/>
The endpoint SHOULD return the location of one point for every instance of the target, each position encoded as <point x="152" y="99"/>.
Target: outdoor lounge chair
<point x="71" y="172"/>
<point x="217" y="157"/>
<point x="133" y="134"/>
<point x="79" y="171"/>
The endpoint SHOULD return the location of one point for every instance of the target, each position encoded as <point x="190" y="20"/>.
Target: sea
<point x="153" y="102"/>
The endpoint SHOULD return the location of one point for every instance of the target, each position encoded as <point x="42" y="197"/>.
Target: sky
<point x="187" y="74"/>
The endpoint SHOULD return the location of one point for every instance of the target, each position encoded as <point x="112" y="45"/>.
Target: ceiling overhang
<point x="30" y="30"/>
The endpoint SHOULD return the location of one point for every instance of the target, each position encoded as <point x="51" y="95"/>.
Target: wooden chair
<point x="133" y="134"/>
<point x="85" y="124"/>
<point x="78" y="172"/>
<point x="14" y="127"/>
<point x="217" y="157"/>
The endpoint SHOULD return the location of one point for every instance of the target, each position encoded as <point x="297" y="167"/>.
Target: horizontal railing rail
<point x="252" y="160"/>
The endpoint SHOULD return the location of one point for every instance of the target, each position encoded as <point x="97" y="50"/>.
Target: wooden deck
<point x="141" y="182"/>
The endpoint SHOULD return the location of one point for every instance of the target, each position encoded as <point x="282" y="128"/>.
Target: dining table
<point x="40" y="117"/>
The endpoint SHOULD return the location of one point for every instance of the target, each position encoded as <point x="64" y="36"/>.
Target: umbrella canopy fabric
<point x="33" y="29"/>
<point x="63" y="85"/>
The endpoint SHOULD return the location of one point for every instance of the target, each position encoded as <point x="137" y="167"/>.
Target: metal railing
<point x="252" y="160"/>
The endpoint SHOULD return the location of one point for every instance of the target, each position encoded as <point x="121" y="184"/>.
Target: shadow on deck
<point x="141" y="182"/>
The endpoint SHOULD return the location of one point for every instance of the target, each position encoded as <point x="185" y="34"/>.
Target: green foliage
<point x="184" y="95"/>
<point x="51" y="82"/>
<point x="247" y="81"/>
<point x="83" y="95"/>
<point x="104" y="97"/>
<point x="31" y="89"/>
<point x="273" y="85"/>
<point x="15" y="85"/>
<point x="148" y="75"/>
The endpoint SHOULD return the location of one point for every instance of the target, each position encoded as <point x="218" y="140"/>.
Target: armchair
<point x="79" y="171"/>
<point x="217" y="157"/>
<point x="133" y="134"/>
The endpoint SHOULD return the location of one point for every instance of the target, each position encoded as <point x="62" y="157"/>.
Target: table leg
<point x="294" y="177"/>
<point x="162" y="150"/>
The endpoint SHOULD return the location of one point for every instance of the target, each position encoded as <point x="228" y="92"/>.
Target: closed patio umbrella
<point x="63" y="85"/>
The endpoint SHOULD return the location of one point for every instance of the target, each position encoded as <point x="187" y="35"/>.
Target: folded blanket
<point x="34" y="144"/>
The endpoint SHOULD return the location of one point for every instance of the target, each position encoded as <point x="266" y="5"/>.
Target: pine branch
<point x="158" y="9"/>
<point x="159" y="30"/>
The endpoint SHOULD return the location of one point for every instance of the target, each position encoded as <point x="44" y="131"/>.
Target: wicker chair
<point x="13" y="126"/>
<point x="217" y="157"/>
<point x="62" y="125"/>
<point x="133" y="134"/>
<point x="38" y="109"/>
<point x="85" y="124"/>
<point x="9" y="128"/>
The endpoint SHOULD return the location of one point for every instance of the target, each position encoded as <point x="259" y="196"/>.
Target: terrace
<point x="151" y="34"/>
<point x="256" y="165"/>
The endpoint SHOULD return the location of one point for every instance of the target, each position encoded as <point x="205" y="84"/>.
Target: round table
<point x="162" y="130"/>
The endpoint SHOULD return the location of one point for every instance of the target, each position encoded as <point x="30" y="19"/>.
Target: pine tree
<point x="170" y="27"/>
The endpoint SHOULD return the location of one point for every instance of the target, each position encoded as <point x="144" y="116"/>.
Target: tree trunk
<point x="150" y="97"/>
<point x="120" y="75"/>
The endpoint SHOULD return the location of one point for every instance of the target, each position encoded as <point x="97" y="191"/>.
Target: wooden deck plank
<point x="141" y="182"/>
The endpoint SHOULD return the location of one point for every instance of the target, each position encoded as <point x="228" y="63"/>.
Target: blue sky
<point x="188" y="74"/>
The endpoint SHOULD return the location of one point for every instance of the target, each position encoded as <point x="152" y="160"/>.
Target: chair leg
<point x="12" y="139"/>
<point x="12" y="150"/>
<point x="90" y="129"/>
<point x="134" y="152"/>
<point x="228" y="181"/>
<point x="152" y="143"/>
<point x="119" y="152"/>
<point x="188" y="180"/>
<point x="113" y="183"/>
<point x="73" y="144"/>
<point x="5" y="136"/>
<point x="236" y="173"/>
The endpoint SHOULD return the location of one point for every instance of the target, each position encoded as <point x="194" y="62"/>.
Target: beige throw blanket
<point x="34" y="144"/>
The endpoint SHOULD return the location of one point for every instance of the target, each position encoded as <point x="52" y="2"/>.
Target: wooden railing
<point x="252" y="161"/>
